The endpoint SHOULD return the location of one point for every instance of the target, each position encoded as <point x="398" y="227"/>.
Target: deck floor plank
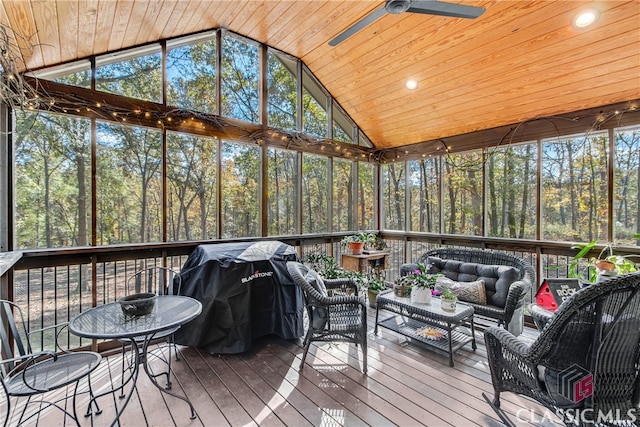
<point x="407" y="385"/>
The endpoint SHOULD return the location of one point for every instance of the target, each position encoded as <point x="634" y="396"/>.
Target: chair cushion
<point x="319" y="314"/>
<point x="467" y="291"/>
<point x="315" y="280"/>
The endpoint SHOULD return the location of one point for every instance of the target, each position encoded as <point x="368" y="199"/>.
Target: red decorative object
<point x="553" y="292"/>
<point x="545" y="299"/>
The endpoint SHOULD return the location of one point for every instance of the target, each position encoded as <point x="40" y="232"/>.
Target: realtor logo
<point x="576" y="383"/>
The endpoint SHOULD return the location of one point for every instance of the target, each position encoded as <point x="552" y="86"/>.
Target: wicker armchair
<point x="336" y="312"/>
<point x="585" y="362"/>
<point x="511" y="315"/>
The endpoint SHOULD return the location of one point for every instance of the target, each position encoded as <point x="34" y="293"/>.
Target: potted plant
<point x="418" y="284"/>
<point x="448" y="299"/>
<point x="357" y="242"/>
<point x="374" y="286"/>
<point x="601" y="266"/>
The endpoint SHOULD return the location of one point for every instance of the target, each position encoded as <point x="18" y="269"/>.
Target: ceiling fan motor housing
<point x="397" y="6"/>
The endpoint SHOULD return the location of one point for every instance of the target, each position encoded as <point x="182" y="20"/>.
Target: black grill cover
<point x="246" y="292"/>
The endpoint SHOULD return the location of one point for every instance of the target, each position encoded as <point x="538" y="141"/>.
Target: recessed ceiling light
<point x="586" y="17"/>
<point x="411" y="84"/>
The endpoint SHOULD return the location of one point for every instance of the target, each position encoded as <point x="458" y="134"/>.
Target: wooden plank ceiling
<point x="520" y="60"/>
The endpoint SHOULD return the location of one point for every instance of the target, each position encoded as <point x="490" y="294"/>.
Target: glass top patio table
<point x="109" y="322"/>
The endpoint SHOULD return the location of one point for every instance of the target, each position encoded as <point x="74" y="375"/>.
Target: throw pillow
<point x="315" y="280"/>
<point x="473" y="292"/>
<point x="319" y="315"/>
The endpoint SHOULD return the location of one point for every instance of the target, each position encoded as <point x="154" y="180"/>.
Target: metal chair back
<point x="157" y="280"/>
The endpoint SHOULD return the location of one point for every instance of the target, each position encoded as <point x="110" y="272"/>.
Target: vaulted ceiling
<point x="518" y="61"/>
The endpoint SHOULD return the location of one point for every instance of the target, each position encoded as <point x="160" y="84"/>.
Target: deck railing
<point x="52" y="286"/>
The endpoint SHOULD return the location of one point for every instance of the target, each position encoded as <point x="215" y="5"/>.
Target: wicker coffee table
<point x="407" y="318"/>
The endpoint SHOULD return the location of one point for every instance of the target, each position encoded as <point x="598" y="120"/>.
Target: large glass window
<point x="424" y="181"/>
<point x="342" y="125"/>
<point x="314" y="106"/>
<point x="462" y="196"/>
<point x="394" y="182"/>
<point x="74" y="74"/>
<point x="282" y="199"/>
<point x="134" y="74"/>
<point x="342" y="194"/>
<point x="511" y="191"/>
<point x="52" y="181"/>
<point x="626" y="200"/>
<point x="240" y="177"/>
<point x="191" y="74"/>
<point x="366" y="196"/>
<point x="191" y="187"/>
<point x="129" y="184"/>
<point x="314" y="193"/>
<point x="240" y="78"/>
<point x="283" y="91"/>
<point x="575" y="189"/>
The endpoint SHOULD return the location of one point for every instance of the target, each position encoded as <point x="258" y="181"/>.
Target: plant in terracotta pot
<point x="606" y="264"/>
<point x="357" y="242"/>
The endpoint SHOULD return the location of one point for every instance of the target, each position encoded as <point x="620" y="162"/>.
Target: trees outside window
<point x="424" y="182"/>
<point x="343" y="200"/>
<point x="314" y="106"/>
<point x="240" y="192"/>
<point x="191" y="187"/>
<point x="366" y="196"/>
<point x="132" y="74"/>
<point x="129" y="184"/>
<point x="283" y="91"/>
<point x="462" y="198"/>
<point x="315" y="181"/>
<point x="511" y="191"/>
<point x="575" y="188"/>
<point x="191" y="75"/>
<point x="282" y="195"/>
<point x="626" y="198"/>
<point x="393" y="195"/>
<point x="52" y="181"/>
<point x="240" y="79"/>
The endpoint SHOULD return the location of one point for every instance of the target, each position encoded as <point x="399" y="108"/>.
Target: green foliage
<point x="328" y="268"/>
<point x="447" y="293"/>
<point x="621" y="263"/>
<point x="369" y="239"/>
<point x="419" y="278"/>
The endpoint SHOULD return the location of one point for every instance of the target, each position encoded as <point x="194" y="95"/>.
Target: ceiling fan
<point x="394" y="7"/>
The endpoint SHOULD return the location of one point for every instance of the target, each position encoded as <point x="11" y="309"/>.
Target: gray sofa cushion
<point x="497" y="278"/>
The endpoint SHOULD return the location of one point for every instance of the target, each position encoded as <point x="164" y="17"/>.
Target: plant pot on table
<point x="356" y="248"/>
<point x="420" y="295"/>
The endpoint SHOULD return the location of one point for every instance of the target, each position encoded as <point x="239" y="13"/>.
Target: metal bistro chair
<point x="160" y="281"/>
<point x="585" y="364"/>
<point x="331" y="318"/>
<point x="27" y="374"/>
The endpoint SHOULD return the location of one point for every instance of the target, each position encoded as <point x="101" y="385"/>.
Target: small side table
<point x="362" y="263"/>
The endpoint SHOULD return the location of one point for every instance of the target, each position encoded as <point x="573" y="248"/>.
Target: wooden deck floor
<point x="407" y="385"/>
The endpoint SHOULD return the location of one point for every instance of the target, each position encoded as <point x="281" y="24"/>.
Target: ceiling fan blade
<point x="434" y="7"/>
<point x="358" y="26"/>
